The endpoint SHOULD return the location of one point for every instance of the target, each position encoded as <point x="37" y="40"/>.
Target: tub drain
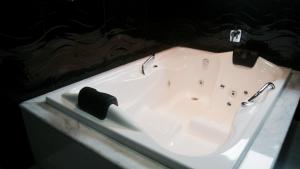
<point x="194" y="98"/>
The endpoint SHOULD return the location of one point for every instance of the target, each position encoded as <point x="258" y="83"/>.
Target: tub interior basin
<point x="187" y="98"/>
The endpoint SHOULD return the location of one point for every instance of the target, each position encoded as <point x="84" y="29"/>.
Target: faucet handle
<point x="262" y="89"/>
<point x="144" y="64"/>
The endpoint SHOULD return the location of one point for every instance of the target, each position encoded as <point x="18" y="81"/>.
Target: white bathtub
<point x="186" y="110"/>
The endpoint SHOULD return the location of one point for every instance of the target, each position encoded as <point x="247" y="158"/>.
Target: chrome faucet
<point x="145" y="63"/>
<point x="262" y="89"/>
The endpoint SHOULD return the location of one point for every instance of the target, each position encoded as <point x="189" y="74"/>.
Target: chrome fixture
<point x="201" y="82"/>
<point x="235" y="35"/>
<point x="252" y="98"/>
<point x="144" y="64"/>
<point x="205" y="62"/>
<point x="233" y="93"/>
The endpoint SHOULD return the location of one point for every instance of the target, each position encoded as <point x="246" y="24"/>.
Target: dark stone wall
<point x="36" y="35"/>
<point x="46" y="44"/>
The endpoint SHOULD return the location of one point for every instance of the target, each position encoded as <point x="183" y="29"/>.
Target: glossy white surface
<point x="180" y="107"/>
<point x="196" y="137"/>
<point x="261" y="155"/>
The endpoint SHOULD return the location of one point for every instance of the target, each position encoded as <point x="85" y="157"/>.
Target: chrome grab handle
<point x="144" y="64"/>
<point x="252" y="98"/>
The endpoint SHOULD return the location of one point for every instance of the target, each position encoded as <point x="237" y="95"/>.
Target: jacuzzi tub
<point x="185" y="111"/>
